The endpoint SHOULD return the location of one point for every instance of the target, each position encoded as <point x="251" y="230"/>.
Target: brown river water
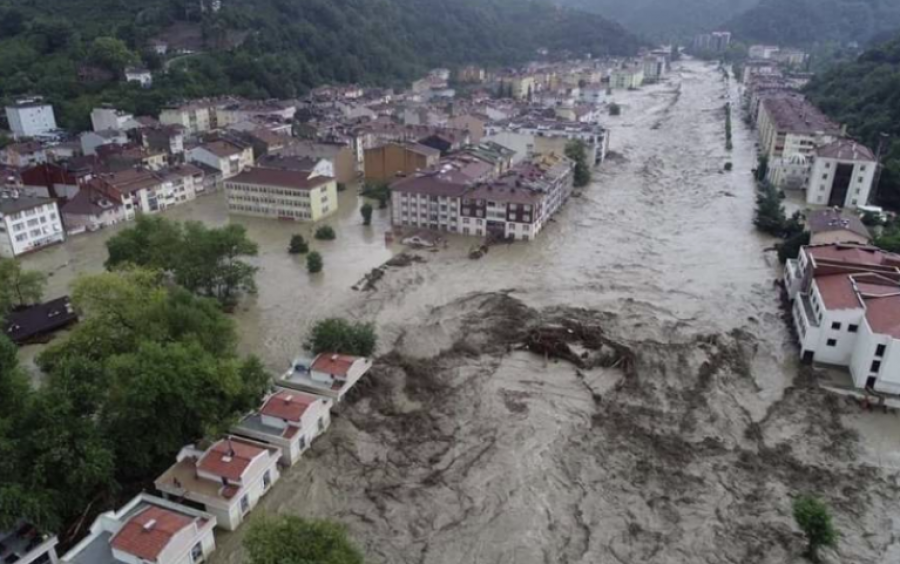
<point x="461" y="449"/>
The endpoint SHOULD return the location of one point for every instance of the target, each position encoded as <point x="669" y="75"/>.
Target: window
<point x="836" y="325"/>
<point x="197" y="553"/>
<point x="876" y="366"/>
<point x="879" y="350"/>
<point x="267" y="480"/>
<point x="245" y="504"/>
<point x="831" y="342"/>
<point x="825" y="176"/>
<point x="852" y="328"/>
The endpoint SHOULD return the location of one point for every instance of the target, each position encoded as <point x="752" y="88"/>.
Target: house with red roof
<point x="330" y="375"/>
<point x="228" y="479"/>
<point x="147" y="530"/>
<point x="290" y="420"/>
<point x="846" y="310"/>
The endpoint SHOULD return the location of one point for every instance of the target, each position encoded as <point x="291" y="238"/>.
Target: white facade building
<point x="846" y="309"/>
<point x="28" y="224"/>
<point x="111" y="118"/>
<point x="228" y="479"/>
<point x="290" y="420"/>
<point x="31" y="118"/>
<point x="843" y="175"/>
<point x="147" y="530"/>
<point x="228" y="158"/>
<point x="142" y="76"/>
<point x="330" y="375"/>
<point x="24" y="544"/>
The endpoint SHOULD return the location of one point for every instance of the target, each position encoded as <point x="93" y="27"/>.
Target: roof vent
<point x="334" y="357"/>
<point x="289" y="398"/>
<point x="148" y="526"/>
<point x="227" y="458"/>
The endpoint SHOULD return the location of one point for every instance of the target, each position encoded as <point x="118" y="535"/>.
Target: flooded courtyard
<point x="680" y="437"/>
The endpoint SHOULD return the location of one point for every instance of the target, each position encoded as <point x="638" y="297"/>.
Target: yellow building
<point x="282" y="194"/>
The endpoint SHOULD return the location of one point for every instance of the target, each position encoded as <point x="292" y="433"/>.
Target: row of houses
<point x="803" y="148"/>
<point x="208" y="487"/>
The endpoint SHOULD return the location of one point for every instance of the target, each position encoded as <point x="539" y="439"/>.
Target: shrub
<point x="325" y="233"/>
<point x="314" y="262"/>
<point x="298" y="245"/>
<point x="366" y="212"/>
<point x="814" y="519"/>
<point x="615" y="109"/>
<point x="341" y="336"/>
<point x="286" y="538"/>
<point x="341" y="186"/>
<point x="728" y="167"/>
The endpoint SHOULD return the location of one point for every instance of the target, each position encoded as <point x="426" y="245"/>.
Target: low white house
<point x="140" y="75"/>
<point x="25" y="544"/>
<point x="329" y="374"/>
<point x="290" y="420"/>
<point x="147" y="530"/>
<point x="228" y="479"/>
<point x="28" y="224"/>
<point x="847" y="311"/>
<point x="225" y="156"/>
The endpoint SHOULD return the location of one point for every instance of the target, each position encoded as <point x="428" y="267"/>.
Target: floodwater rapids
<point x="460" y="448"/>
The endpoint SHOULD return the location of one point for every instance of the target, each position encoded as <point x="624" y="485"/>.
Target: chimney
<point x="148" y="526"/>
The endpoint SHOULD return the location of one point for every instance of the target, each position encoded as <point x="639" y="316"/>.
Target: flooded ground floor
<point x="677" y="431"/>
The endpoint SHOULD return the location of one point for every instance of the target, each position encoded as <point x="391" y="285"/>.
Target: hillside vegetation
<point x="287" y="47"/>
<point x="865" y="94"/>
<point x="666" y="20"/>
<point x="805" y="22"/>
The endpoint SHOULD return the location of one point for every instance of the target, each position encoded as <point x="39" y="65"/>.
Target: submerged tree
<point x="341" y="336"/>
<point x="577" y="151"/>
<point x="293" y="540"/>
<point x="19" y="287"/>
<point x="814" y="519"/>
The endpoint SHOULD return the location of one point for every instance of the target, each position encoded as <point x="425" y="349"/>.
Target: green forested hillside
<point x="289" y="46"/>
<point x="865" y="94"/>
<point x="805" y="22"/>
<point x="666" y="20"/>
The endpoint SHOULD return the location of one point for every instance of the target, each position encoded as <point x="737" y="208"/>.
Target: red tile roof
<point x="883" y="315"/>
<point x="229" y="458"/>
<point x="837" y="292"/>
<point x="286" y="405"/>
<point x="148" y="533"/>
<point x="855" y="254"/>
<point x="280" y="177"/>
<point x="334" y="364"/>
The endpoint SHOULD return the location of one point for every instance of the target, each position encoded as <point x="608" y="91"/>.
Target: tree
<point x="341" y="336"/>
<point x="19" y="287"/>
<point x="814" y="519"/>
<point x="206" y="261"/>
<point x="293" y="540"/>
<point x="577" y="151"/>
<point x="615" y="109"/>
<point x="112" y="54"/>
<point x="298" y="245"/>
<point x="380" y="191"/>
<point x="314" y="262"/>
<point x="325" y="233"/>
<point x="366" y="212"/>
<point x="770" y="217"/>
<point x="762" y="169"/>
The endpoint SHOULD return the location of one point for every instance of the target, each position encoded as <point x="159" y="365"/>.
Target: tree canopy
<point x="293" y="540"/>
<point x="150" y="368"/>
<point x="19" y="287"/>
<point x="342" y="336"/>
<point x="206" y="261"/>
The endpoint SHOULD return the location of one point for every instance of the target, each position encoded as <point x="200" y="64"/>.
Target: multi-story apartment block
<point x="147" y="530"/>
<point x="28" y="224"/>
<point x="791" y="125"/>
<point x="228" y="479"/>
<point x="846" y="309"/>
<point x="196" y="117"/>
<point x="843" y="174"/>
<point x="393" y="160"/>
<point x="282" y="194"/>
<point x="515" y="206"/>
<point x="30" y="117"/>
<point x="227" y="156"/>
<point x="533" y="136"/>
<point x="106" y="117"/>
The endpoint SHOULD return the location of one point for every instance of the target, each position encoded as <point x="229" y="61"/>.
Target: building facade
<point x="31" y="118"/>
<point x="28" y="224"/>
<point x="282" y="194"/>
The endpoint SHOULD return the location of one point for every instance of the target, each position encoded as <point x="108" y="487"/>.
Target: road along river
<point x="679" y="435"/>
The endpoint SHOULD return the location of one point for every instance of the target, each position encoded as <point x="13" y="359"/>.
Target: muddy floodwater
<point x="675" y="431"/>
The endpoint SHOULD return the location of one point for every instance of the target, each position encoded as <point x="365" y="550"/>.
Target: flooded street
<point x="680" y="437"/>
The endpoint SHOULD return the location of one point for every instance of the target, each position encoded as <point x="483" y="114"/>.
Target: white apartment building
<point x="228" y="479"/>
<point x="791" y="125"/>
<point x="195" y="118"/>
<point x="289" y="420"/>
<point x="847" y="311"/>
<point x="147" y="530"/>
<point x="627" y="78"/>
<point x="530" y="137"/>
<point x="28" y="224"/>
<point x="282" y="194"/>
<point x="110" y="118"/>
<point x="31" y="117"/>
<point x="225" y="156"/>
<point x="843" y="175"/>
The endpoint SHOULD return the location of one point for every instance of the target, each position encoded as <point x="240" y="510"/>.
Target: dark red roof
<point x="281" y="178"/>
<point x="334" y="364"/>
<point x="229" y="458"/>
<point x="148" y="533"/>
<point x="287" y="405"/>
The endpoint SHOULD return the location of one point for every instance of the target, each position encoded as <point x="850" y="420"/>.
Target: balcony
<point x="807" y="310"/>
